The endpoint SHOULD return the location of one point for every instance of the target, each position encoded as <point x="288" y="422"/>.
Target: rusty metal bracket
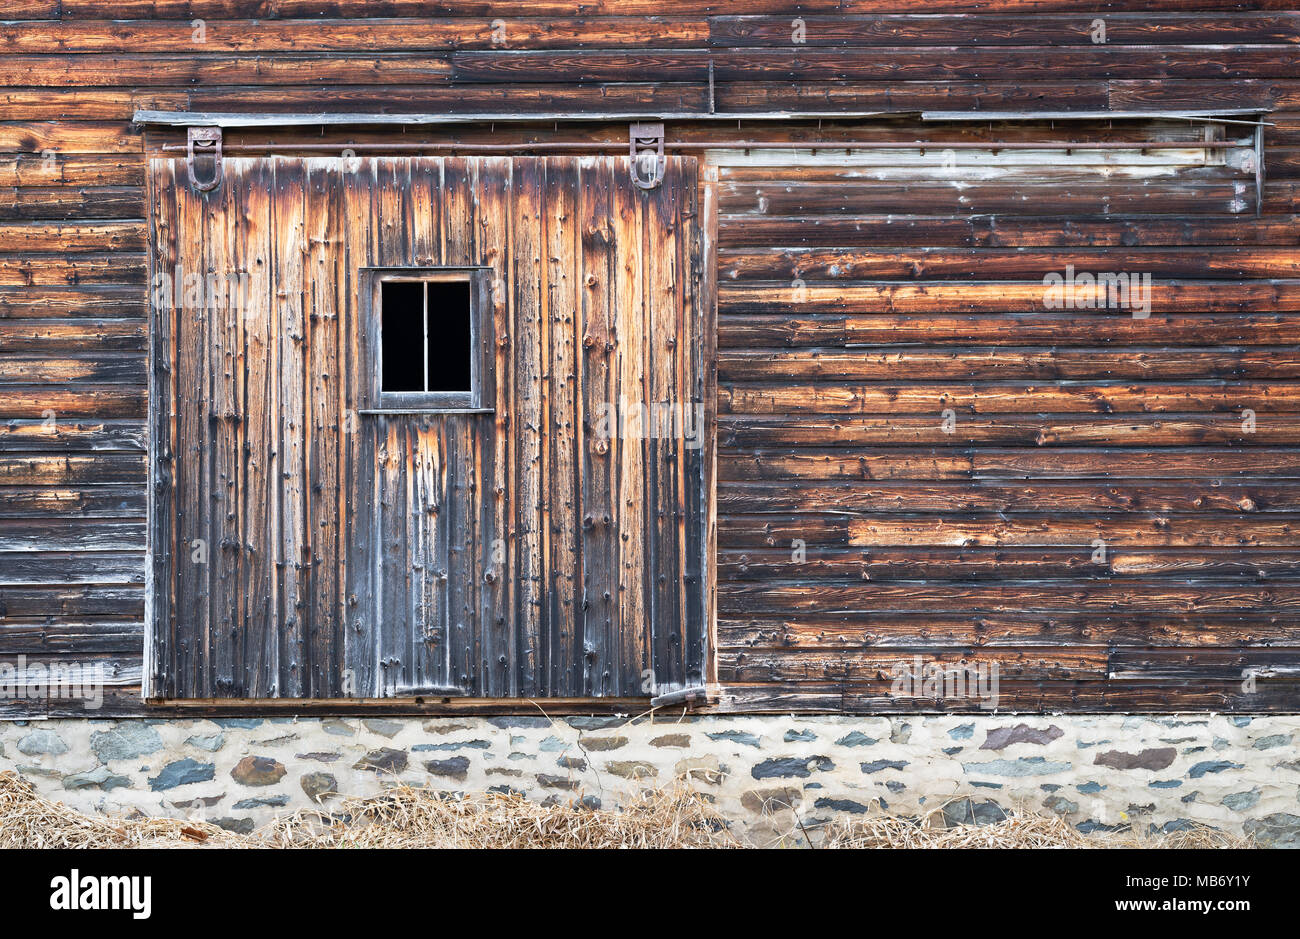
<point x="204" y="142"/>
<point x="646" y="147"/>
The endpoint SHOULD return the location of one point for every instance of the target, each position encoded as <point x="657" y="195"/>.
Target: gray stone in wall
<point x="966" y="811"/>
<point x="126" y="741"/>
<point x="262" y="802"/>
<point x="525" y="722"/>
<point x="459" y="745"/>
<point x="181" y="773"/>
<point x="240" y="826"/>
<point x="876" y="766"/>
<point x="42" y="742"/>
<point x="455" y="768"/>
<point x="98" y="778"/>
<point x="1241" y="801"/>
<point x="48" y="772"/>
<point x="735" y="736"/>
<point x="791" y="767"/>
<point x="1060" y="805"/>
<point x="1025" y="766"/>
<point x="1279" y="830"/>
<point x="856" y="738"/>
<point x="383" y="760"/>
<point x="382" y="727"/>
<point x="595" y="723"/>
<point x="1090" y="826"/>
<point x="211" y="742"/>
<point x="1211" y="766"/>
<point x="556" y="782"/>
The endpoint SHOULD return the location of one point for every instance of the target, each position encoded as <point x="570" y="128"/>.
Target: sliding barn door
<point x="304" y="543"/>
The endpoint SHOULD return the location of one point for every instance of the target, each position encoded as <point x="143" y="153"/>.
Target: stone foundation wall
<point x="1159" y="773"/>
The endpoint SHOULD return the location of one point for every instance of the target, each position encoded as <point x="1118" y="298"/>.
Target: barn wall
<point x="938" y="445"/>
<point x="72" y="208"/>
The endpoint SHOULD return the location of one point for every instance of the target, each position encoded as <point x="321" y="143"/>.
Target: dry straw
<point x="407" y="817"/>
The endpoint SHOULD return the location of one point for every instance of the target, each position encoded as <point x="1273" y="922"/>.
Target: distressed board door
<point x="303" y="545"/>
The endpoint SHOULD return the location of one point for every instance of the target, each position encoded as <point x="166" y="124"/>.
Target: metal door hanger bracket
<point x="204" y="143"/>
<point x="646" y="147"/>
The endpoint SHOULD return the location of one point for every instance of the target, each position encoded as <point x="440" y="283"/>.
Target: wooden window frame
<point x="479" y="398"/>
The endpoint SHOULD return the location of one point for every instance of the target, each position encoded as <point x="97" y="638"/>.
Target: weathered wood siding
<point x="924" y="456"/>
<point x="536" y="551"/>
<point x="73" y="229"/>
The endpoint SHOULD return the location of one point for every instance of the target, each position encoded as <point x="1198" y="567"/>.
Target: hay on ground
<point x="409" y="817"/>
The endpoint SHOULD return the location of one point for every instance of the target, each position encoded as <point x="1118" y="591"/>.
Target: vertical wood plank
<point x="289" y="383"/>
<point x="323" y="426"/>
<point x="260" y="461"/>
<point x="223" y="232"/>
<point x="600" y="598"/>
<point x="192" y="511"/>
<point x="702" y="364"/>
<point x="495" y="194"/>
<point x="458" y="542"/>
<point x="628" y="441"/>
<point x="527" y="423"/>
<point x="559" y="208"/>
<point x="160" y="587"/>
<point x="358" y="469"/>
<point x="663" y="303"/>
<point x="391" y="533"/>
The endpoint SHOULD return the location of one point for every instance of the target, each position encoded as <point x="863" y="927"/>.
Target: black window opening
<point x="428" y="342"/>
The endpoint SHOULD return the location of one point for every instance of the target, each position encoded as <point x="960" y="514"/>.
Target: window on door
<point x="427" y="339"/>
